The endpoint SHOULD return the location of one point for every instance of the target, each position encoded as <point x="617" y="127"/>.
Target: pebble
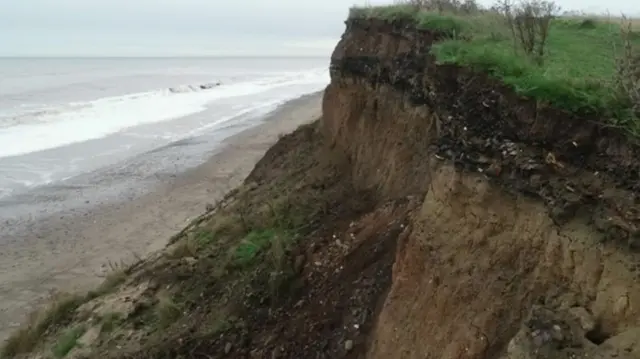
<point x="584" y="317"/>
<point x="348" y="345"/>
<point x="227" y="348"/>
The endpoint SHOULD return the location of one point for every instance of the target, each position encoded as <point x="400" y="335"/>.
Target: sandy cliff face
<point x="525" y="244"/>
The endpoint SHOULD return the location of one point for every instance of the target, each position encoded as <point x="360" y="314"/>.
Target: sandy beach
<point x="69" y="248"/>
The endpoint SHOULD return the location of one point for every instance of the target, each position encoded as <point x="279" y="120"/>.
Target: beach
<point x="81" y="228"/>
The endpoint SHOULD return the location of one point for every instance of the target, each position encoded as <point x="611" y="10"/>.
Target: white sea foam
<point x="45" y="128"/>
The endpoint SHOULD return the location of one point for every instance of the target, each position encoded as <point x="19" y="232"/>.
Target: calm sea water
<point x="62" y="117"/>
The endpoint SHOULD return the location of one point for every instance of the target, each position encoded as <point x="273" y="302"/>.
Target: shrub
<point x="68" y="341"/>
<point x="628" y="68"/>
<point x="58" y="312"/>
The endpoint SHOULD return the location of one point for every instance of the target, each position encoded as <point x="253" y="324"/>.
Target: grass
<point x="577" y="73"/>
<point x="111" y="281"/>
<point x="110" y="321"/>
<point x="67" y="341"/>
<point x="59" y="311"/>
<point x="204" y="236"/>
<point x="256" y="242"/>
<point x="186" y="247"/>
<point x="167" y="311"/>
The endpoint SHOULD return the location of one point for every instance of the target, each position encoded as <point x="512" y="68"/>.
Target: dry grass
<point x="117" y="274"/>
<point x="628" y="66"/>
<point x="167" y="311"/>
<point x="68" y="341"/>
<point x="185" y="247"/>
<point x="59" y="311"/>
<point x="109" y="321"/>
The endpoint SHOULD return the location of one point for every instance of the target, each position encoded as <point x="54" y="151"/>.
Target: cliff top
<point x="579" y="64"/>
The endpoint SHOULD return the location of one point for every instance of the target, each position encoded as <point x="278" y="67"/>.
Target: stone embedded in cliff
<point x="584" y="317"/>
<point x="549" y="334"/>
<point x="348" y="345"/>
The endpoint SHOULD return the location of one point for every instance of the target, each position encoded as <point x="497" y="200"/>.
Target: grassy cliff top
<point x="579" y="71"/>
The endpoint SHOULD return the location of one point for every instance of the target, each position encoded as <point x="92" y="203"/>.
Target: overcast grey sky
<point x="189" y="27"/>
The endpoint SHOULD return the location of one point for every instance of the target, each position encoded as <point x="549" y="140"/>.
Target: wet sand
<point x="68" y="246"/>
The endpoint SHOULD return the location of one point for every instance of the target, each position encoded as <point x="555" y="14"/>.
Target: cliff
<point x="525" y="205"/>
<point x="432" y="212"/>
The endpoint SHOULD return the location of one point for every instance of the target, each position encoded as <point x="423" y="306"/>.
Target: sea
<point x="61" y="118"/>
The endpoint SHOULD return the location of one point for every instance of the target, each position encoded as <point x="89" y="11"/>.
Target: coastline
<point x="71" y="249"/>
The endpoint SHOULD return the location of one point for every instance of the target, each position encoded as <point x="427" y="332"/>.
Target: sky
<point x="191" y="27"/>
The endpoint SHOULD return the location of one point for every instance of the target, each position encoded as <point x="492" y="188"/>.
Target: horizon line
<point x="152" y="56"/>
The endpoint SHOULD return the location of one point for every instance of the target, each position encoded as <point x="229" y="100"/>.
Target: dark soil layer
<point x="569" y="160"/>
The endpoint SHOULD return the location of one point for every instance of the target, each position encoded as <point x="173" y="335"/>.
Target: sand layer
<point x="69" y="251"/>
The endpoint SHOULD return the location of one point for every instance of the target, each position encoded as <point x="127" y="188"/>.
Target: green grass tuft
<point x="390" y="13"/>
<point x="58" y="312"/>
<point x="204" y="236"/>
<point x="68" y="341"/>
<point x="255" y="243"/>
<point x="578" y="71"/>
<point x="167" y="311"/>
<point x="110" y="321"/>
<point x="448" y="24"/>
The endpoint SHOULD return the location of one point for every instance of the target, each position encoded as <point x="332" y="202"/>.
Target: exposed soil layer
<point x="529" y="212"/>
<point x="569" y="160"/>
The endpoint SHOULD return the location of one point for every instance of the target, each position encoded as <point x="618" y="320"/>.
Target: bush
<point x="628" y="68"/>
<point x="588" y="24"/>
<point x="68" y="341"/>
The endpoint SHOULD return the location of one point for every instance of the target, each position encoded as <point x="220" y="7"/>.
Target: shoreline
<point x="70" y="249"/>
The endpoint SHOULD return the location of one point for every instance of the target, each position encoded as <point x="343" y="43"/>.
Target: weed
<point x="251" y="246"/>
<point x="217" y="326"/>
<point x="530" y="21"/>
<point x="186" y="247"/>
<point x="281" y="270"/>
<point x="67" y="341"/>
<point x="255" y="242"/>
<point x="109" y="321"/>
<point x="111" y="281"/>
<point x="628" y="67"/>
<point x="204" y="236"/>
<point x="167" y="311"/>
<point x="58" y="312"/>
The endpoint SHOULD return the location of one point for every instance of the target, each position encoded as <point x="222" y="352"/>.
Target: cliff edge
<point x="432" y="212"/>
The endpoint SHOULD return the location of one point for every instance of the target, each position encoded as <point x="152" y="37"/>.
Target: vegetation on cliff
<point x="579" y="64"/>
<point x="249" y="267"/>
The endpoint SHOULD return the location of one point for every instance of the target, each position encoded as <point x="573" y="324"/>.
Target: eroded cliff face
<point x="524" y="244"/>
